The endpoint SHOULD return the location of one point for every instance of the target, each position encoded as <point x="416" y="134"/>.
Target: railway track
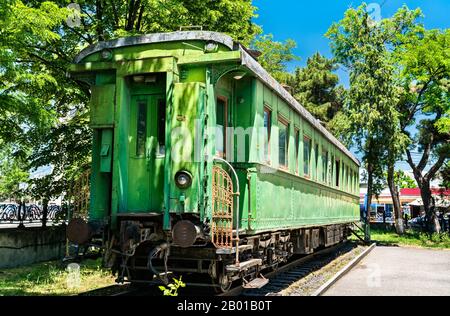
<point x="279" y="280"/>
<point x="293" y="271"/>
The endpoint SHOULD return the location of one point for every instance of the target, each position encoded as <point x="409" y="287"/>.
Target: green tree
<point x="425" y="105"/>
<point x="37" y="97"/>
<point x="445" y="176"/>
<point x="370" y="120"/>
<point x="403" y="180"/>
<point x="44" y="113"/>
<point x="274" y="56"/>
<point x="316" y="88"/>
<point x="12" y="175"/>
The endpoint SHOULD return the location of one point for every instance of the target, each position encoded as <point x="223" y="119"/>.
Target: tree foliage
<point x="425" y="104"/>
<point x="12" y="175"/>
<point x="403" y="180"/>
<point x="43" y="112"/>
<point x="275" y="55"/>
<point x="445" y="176"/>
<point x="424" y="76"/>
<point x="398" y="71"/>
<point x="317" y="88"/>
<point x="370" y="119"/>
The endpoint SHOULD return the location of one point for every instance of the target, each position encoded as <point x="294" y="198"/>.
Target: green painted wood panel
<point x="102" y="105"/>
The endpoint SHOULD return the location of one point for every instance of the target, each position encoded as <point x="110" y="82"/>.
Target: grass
<point x="51" y="278"/>
<point x="411" y="238"/>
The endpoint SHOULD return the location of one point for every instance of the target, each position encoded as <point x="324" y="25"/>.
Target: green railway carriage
<point x="198" y="150"/>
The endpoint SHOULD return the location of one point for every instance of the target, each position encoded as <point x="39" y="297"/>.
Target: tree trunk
<point x="399" y="227"/>
<point x="433" y="225"/>
<point x="369" y="202"/>
<point x="99" y="28"/>
<point x="424" y="184"/>
<point x="44" y="212"/>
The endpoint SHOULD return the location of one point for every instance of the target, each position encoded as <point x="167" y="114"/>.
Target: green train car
<point x="203" y="163"/>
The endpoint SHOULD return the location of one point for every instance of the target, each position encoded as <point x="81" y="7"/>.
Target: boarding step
<point x="241" y="266"/>
<point x="229" y="251"/>
<point x="256" y="283"/>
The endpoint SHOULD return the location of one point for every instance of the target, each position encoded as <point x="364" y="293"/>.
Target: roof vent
<point x="254" y="53"/>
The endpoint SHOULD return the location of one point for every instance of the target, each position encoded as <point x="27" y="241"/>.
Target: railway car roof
<point x="247" y="60"/>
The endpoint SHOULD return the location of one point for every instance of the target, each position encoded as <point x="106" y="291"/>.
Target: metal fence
<point x="22" y="214"/>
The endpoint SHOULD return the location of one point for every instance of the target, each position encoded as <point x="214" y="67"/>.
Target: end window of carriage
<point x="267" y="129"/>
<point x="283" y="143"/>
<point x="161" y="127"/>
<point x="221" y="126"/>
<point x="306" y="156"/>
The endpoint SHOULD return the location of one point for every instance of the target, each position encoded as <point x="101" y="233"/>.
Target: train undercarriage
<point x="142" y="253"/>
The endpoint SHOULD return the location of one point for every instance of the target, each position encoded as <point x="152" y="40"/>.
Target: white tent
<point x="440" y="202"/>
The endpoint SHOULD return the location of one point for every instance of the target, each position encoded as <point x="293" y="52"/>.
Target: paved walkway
<point x="391" y="271"/>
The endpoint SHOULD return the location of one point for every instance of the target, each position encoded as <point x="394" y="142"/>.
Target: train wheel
<point x="222" y="285"/>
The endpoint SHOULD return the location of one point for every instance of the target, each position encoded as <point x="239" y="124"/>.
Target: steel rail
<point x="289" y="266"/>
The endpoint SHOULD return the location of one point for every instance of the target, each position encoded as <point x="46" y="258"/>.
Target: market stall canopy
<point x="440" y="202"/>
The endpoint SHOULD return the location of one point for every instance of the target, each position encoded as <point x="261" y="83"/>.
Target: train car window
<point x="337" y="168"/>
<point x="345" y="180"/>
<point x="267" y="128"/>
<point x="330" y="180"/>
<point x="353" y="181"/>
<point x="349" y="179"/>
<point x="161" y="127"/>
<point x="324" y="166"/>
<point x="221" y="124"/>
<point x="306" y="155"/>
<point x="283" y="144"/>
<point x="141" y="133"/>
<point x="316" y="165"/>
<point x="297" y="148"/>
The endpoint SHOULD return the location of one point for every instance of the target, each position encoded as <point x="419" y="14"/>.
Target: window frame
<point x="316" y="159"/>
<point x="325" y="157"/>
<point x="283" y="121"/>
<point x="309" y="139"/>
<point x="141" y="130"/>
<point x="268" y="110"/>
<point x="297" y="149"/>
<point x="224" y="99"/>
<point x="161" y="126"/>
<point x="337" y="176"/>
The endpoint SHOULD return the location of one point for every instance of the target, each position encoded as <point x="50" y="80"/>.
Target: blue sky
<point x="306" y="22"/>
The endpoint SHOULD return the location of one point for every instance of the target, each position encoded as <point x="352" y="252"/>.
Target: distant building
<point x="410" y="199"/>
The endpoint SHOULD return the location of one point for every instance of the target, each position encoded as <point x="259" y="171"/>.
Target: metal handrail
<point x="237" y="193"/>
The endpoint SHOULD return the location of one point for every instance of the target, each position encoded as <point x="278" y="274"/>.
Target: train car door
<point x="146" y="156"/>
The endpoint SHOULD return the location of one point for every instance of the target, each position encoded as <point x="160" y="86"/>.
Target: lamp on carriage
<point x="238" y="75"/>
<point x="183" y="179"/>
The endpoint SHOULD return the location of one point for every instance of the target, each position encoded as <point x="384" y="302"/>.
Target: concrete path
<point x="391" y="271"/>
